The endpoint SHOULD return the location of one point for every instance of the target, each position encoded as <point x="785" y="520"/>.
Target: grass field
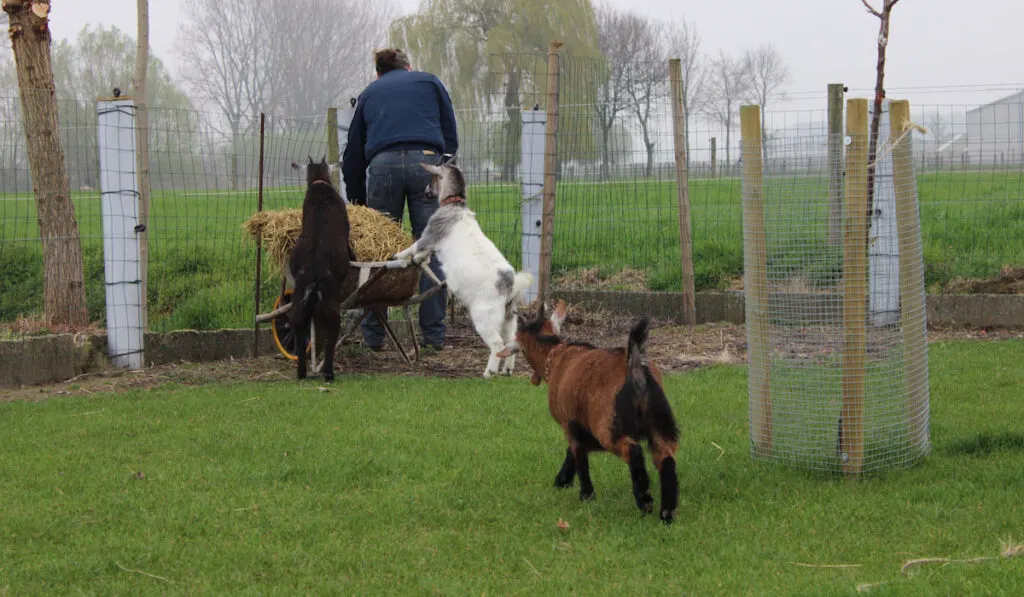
<point x="973" y="224"/>
<point x="393" y="485"/>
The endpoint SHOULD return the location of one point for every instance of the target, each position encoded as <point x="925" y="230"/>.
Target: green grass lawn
<point x="393" y="485"/>
<point x="973" y="224"/>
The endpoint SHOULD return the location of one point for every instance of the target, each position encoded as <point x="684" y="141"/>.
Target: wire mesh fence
<point x="616" y="224"/>
<point x="835" y="325"/>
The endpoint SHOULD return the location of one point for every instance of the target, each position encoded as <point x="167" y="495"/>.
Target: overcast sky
<point x="940" y="52"/>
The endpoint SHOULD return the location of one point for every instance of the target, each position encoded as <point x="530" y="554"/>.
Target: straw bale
<point x="373" y="236"/>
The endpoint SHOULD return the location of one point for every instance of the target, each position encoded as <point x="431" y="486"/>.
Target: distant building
<point x="995" y="131"/>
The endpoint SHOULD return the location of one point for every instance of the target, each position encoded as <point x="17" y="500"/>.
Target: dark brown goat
<point x="320" y="263"/>
<point x="605" y="399"/>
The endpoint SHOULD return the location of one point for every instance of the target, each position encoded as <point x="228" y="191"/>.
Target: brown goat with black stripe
<point x="605" y="400"/>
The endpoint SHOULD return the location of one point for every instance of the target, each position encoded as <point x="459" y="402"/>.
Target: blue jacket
<point x="401" y="109"/>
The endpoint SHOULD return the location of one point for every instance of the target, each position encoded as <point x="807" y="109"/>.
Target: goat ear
<point x="559" y="316"/>
<point x="323" y="160"/>
<point x="430" y="168"/>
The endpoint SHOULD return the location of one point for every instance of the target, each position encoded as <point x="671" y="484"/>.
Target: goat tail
<point x="637" y="361"/>
<point x="310" y="298"/>
<point x="658" y="412"/>
<point x="522" y="281"/>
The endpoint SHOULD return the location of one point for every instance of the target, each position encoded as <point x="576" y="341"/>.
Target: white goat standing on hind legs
<point x="476" y="271"/>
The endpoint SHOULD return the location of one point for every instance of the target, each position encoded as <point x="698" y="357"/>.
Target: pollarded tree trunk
<point x="64" y="290"/>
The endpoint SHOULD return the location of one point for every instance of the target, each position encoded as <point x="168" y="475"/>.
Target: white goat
<point x="476" y="271"/>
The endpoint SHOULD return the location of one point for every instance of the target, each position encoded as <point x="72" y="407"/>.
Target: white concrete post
<point x="534" y="129"/>
<point x="883" y="248"/>
<point x="119" y="207"/>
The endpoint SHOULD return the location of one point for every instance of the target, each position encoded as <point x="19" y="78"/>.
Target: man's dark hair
<point x="390" y="59"/>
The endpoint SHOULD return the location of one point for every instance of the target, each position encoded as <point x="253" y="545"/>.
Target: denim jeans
<point x="392" y="178"/>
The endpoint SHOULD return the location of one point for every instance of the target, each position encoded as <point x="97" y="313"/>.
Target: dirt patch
<point x="26" y="327"/>
<point x="590" y="278"/>
<point x="1009" y="281"/>
<point x="672" y="347"/>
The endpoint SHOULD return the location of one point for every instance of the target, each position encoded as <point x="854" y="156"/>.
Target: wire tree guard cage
<point x="835" y="297"/>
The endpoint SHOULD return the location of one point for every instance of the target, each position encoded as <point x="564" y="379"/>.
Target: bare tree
<point x="320" y="56"/>
<point x="767" y="73"/>
<point x="615" y="42"/>
<point x="938" y="128"/>
<point x="883" y="42"/>
<point x="727" y="85"/>
<point x="221" y="49"/>
<point x="683" y="43"/>
<point x="64" y="288"/>
<point x="646" y="77"/>
<point x="296" y="59"/>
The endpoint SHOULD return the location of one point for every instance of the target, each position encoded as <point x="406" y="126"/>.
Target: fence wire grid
<point x="835" y="323"/>
<point x="616" y="215"/>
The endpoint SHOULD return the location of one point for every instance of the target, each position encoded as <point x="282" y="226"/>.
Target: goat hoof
<point x="488" y="374"/>
<point x="562" y="483"/>
<point x="587" y="496"/>
<point x="645" y="503"/>
<point x="667" y="516"/>
<point x="328" y="377"/>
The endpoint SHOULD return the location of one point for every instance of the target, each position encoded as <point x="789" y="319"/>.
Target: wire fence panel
<point x="972" y="194"/>
<point x="21" y="249"/>
<point x="835" y="326"/>
<point x="617" y="206"/>
<point x="616" y="223"/>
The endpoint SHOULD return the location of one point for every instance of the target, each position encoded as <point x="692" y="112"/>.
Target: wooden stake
<point x="142" y="151"/>
<point x="675" y="73"/>
<point x="333" y="151"/>
<point x="714" y="156"/>
<point x="755" y="258"/>
<point x="547" y="227"/>
<point x="912" y="296"/>
<point x="259" y="242"/>
<point x="855" y="287"/>
<point x="836" y="92"/>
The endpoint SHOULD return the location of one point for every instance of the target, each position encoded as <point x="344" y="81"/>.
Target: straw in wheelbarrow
<point x="373" y="235"/>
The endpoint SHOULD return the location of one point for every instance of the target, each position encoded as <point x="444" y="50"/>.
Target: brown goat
<point x="605" y="400"/>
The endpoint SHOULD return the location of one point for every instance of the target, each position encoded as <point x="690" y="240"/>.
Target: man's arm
<point x="448" y="126"/>
<point x="353" y="163"/>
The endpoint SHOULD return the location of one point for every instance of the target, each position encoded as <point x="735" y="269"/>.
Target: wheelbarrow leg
<point x="412" y="333"/>
<point x="356" y="320"/>
<point x="391" y="334"/>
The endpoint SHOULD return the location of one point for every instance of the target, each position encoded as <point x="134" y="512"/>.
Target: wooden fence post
<point x="913" y="316"/>
<point x="855" y="287"/>
<point x="755" y="258"/>
<point x="550" y="167"/>
<point x="714" y="156"/>
<point x="835" y="163"/>
<point x="259" y="242"/>
<point x="675" y="73"/>
<point x="333" y="152"/>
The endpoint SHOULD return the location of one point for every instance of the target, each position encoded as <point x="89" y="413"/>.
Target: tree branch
<point x="871" y="8"/>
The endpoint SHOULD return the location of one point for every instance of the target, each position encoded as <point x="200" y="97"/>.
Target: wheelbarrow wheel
<point x="284" y="339"/>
